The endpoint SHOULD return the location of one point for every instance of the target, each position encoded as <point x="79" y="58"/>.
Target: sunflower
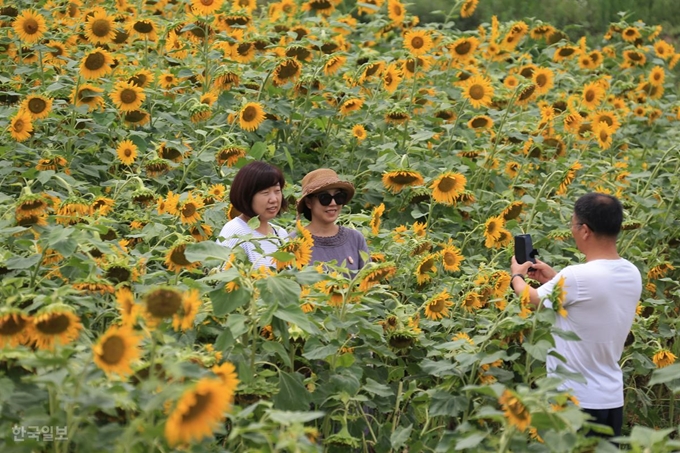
<point x="513" y="211"/>
<point x="480" y="122"/>
<point x="492" y="229"/>
<point x="375" y="218"/>
<point x="201" y="232"/>
<point x="396" y="11"/>
<point x="418" y="42"/>
<point x="663" y="49"/>
<point x="609" y="117"/>
<point x="21" y="126"/>
<point x="603" y="132"/>
<point x="15" y="329"/>
<point x="170" y="152"/>
<point x="230" y="155"/>
<point x="144" y="28"/>
<point x="395" y="181"/>
<point x="543" y="78"/>
<point x="333" y="64"/>
<point x="300" y="247"/>
<point x="56" y="163"/>
<point x="287" y="71"/>
<point x="99" y="28"/>
<point x="58" y="53"/>
<point x="630" y="34"/>
<point x="102" y="205"/>
<point x="565" y="53"/>
<point x="397" y="115"/>
<point x="447" y="187"/>
<point x="142" y="78"/>
<point x="176" y="261"/>
<point x="511" y="82"/>
<point x="471" y="301"/>
<point x="56" y="324"/>
<point x="191" y="303"/>
<point x="161" y="303"/>
<point x="126" y="152"/>
<point x="516" y="413"/>
<point x="633" y="58"/>
<point x="168" y="80"/>
<point x="116" y="350"/>
<point x="359" y="132"/>
<point x="657" y="76"/>
<point x="478" y="90"/>
<point x="227" y="374"/>
<point x="593" y="95"/>
<point x="526" y="95"/>
<point x="557" y="297"/>
<point x="29" y="205"/>
<point x="351" y="105"/>
<point x="29" y="26"/>
<point x="198" y="412"/>
<point x="451" y="258"/>
<point x="188" y="209"/>
<point x="95" y="64"/>
<point x="37" y="106"/>
<point x="127" y="307"/>
<point x="127" y="96"/>
<point x="251" y="116"/>
<point x="391" y="78"/>
<point x="426" y="268"/>
<point x="411" y="65"/>
<point x="542" y="31"/>
<point x="438" y="306"/>
<point x="663" y="358"/>
<point x="373" y="274"/>
<point x="206" y="7"/>
<point x="468" y="7"/>
<point x="89" y="95"/>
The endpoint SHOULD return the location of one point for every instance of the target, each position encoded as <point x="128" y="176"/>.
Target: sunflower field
<point x="122" y="125"/>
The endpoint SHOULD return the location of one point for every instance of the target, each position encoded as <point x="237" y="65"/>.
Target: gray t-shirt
<point x="343" y="247"/>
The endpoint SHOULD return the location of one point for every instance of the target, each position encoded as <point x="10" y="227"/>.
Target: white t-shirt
<point x="236" y="228"/>
<point x="601" y="298"/>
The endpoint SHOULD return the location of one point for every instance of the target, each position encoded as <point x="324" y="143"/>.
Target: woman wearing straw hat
<point x="323" y="196"/>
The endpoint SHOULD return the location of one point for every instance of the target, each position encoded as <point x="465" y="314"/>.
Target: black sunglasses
<point x="325" y="198"/>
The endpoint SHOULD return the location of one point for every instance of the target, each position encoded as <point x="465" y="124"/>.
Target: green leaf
<point x="440" y="368"/>
<point x="205" y="250"/>
<point x="224" y="340"/>
<point x="538" y="351"/>
<point x="471" y="441"/>
<point x="377" y="388"/>
<point x="320" y="353"/>
<point x="665" y="374"/>
<point x="257" y="150"/>
<point x="295" y="315"/>
<point x="291" y="417"/>
<point x="224" y="302"/>
<point x="19" y="262"/>
<point x="293" y="395"/>
<point x="278" y="349"/>
<point x="400" y="436"/>
<point x="237" y="324"/>
<point x="445" y="404"/>
<point x="345" y="360"/>
<point x="279" y="290"/>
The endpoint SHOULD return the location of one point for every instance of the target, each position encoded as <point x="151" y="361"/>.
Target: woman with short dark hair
<point x="256" y="192"/>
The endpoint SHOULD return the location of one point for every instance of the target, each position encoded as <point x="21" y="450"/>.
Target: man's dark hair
<point x="602" y="213"/>
<point x="251" y="179"/>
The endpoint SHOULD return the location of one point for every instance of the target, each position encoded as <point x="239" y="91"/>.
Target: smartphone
<point x="524" y="249"/>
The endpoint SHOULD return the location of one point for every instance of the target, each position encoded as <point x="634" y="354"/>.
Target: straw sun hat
<point x="318" y="181"/>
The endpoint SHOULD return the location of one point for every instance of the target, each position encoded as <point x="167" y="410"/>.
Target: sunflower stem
<point x="368" y="424"/>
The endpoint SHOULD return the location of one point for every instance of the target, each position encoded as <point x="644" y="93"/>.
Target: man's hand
<point x="541" y="272"/>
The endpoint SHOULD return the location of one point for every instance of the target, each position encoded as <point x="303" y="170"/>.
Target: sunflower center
<point x="463" y="48"/>
<point x="207" y="2"/>
<point x="19" y="125"/>
<point x="427" y="266"/>
<point x="397" y="10"/>
<point x="163" y="303"/>
<point x="202" y="402"/>
<point x="101" y="28"/>
<point x="135" y="116"/>
<point x="249" y="113"/>
<point x="128" y="96"/>
<point x="590" y="96"/>
<point x="143" y="27"/>
<point x="95" y="61"/>
<point x="447" y="184"/>
<point x="12" y="325"/>
<point x="417" y="42"/>
<point x="54" y="325"/>
<point x="565" y="52"/>
<point x="113" y="350"/>
<point x="404" y="178"/>
<point x="527" y="93"/>
<point x="31" y="26"/>
<point x="541" y="80"/>
<point x="479" y="122"/>
<point x="118" y="274"/>
<point x="287" y="70"/>
<point x="31" y="205"/>
<point x="37" y="105"/>
<point x="177" y="256"/>
<point x="437" y="306"/>
<point x="127" y="152"/>
<point x="477" y="92"/>
<point x="450" y="259"/>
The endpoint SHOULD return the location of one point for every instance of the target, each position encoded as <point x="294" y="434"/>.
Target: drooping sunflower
<point x="468" y="8"/>
<point x="21" y="126"/>
<point x="333" y="64"/>
<point x="191" y="303"/>
<point x="127" y="307"/>
<point x="569" y="177"/>
<point x="437" y="307"/>
<point x="664" y="358"/>
<point x="513" y="210"/>
<point x="32" y="204"/>
<point x="89" y="95"/>
<point x="230" y="155"/>
<point x="206" y="7"/>
<point x="515" y="412"/>
<point x="395" y="181"/>
<point x="29" y="26"/>
<point x="37" y="106"/>
<point x="351" y="105"/>
<point x="391" y="78"/>
<point x="418" y="42"/>
<point x="176" y="260"/>
<point x="56" y="324"/>
<point x="189" y="209"/>
<point x="478" y="91"/>
<point x="227" y="373"/>
<point x="126" y="152"/>
<point x="160" y="304"/>
<point x="141" y="78"/>
<point x="102" y="205"/>
<point x="287" y="70"/>
<point x="396" y="11"/>
<point x="251" y="116"/>
<point x="376" y="215"/>
<point x="447" y="187"/>
<point x="15" y="328"/>
<point x="95" y="64"/>
<point x="557" y="297"/>
<point x="397" y="115"/>
<point x="198" y="412"/>
<point x="603" y="132"/>
<point x="373" y="274"/>
<point x="542" y="31"/>
<point x="593" y="95"/>
<point x="127" y="96"/>
<point x="99" y="27"/>
<point x="426" y="268"/>
<point x="471" y="301"/>
<point x="116" y="350"/>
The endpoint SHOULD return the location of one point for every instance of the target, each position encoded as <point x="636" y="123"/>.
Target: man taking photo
<point x="600" y="302"/>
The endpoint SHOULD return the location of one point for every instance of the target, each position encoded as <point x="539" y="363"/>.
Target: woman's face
<point x="329" y="213"/>
<point x="267" y="203"/>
